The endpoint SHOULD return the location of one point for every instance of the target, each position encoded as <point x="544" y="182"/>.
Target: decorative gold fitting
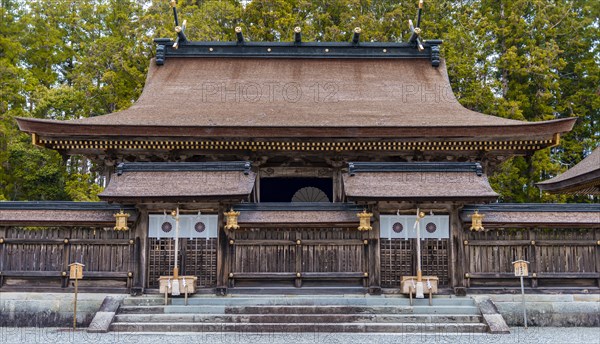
<point x="178" y="29"/>
<point x="417" y="30"/>
<point x="121" y="221"/>
<point x="533" y="242"/>
<point x="365" y="221"/>
<point x="534" y="275"/>
<point x="366" y="274"/>
<point x="232" y="219"/>
<point x="66" y="241"/>
<point x="64" y="273"/>
<point x="131" y="241"/>
<point x="298" y="274"/>
<point x="231" y="242"/>
<point x="129" y="274"/>
<point x="298" y="242"/>
<point x="238" y="29"/>
<point x="420" y="3"/>
<point x="357" y="30"/>
<point x="2" y="241"/>
<point x="173" y="3"/>
<point x="477" y="221"/>
<point x="231" y="275"/>
<point x="467" y="275"/>
<point x="466" y="242"/>
<point x="597" y="242"/>
<point x="366" y="242"/>
<point x="297" y="29"/>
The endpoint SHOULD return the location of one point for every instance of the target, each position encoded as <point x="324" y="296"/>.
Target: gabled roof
<point x="59" y="213"/>
<point x="541" y="215"/>
<point x="259" y="97"/>
<point x="172" y="182"/>
<point x="583" y="178"/>
<point x="417" y="181"/>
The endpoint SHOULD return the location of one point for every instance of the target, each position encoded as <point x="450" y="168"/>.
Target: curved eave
<point x="78" y="130"/>
<point x="584" y="182"/>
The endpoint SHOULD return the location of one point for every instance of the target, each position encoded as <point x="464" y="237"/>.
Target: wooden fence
<point x="38" y="258"/>
<point x="559" y="258"/>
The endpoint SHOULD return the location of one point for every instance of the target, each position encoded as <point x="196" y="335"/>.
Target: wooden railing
<point x="38" y="258"/>
<point x="559" y="258"/>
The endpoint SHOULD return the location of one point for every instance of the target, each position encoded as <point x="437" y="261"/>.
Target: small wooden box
<point x="408" y="282"/>
<point x="190" y="281"/>
<point x="76" y="271"/>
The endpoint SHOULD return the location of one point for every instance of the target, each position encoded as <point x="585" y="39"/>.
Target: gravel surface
<point x="551" y="335"/>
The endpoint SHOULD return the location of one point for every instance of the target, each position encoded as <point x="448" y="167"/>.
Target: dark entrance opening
<point x="281" y="189"/>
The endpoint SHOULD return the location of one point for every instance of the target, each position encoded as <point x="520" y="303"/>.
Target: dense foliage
<point x="523" y="59"/>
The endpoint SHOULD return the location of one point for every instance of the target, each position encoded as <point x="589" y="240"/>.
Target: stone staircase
<point x="324" y="313"/>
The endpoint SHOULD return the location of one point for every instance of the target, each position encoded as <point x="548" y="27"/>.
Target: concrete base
<point x="47" y="309"/>
<point x="549" y="310"/>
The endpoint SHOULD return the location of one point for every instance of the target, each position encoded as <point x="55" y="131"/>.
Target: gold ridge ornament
<point x="232" y="219"/>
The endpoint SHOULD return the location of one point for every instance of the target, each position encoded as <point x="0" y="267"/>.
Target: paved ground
<point x="533" y="335"/>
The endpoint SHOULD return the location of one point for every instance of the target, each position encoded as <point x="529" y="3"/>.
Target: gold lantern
<point x="477" y="221"/>
<point x="232" y="219"/>
<point x="121" y="221"/>
<point x="365" y="221"/>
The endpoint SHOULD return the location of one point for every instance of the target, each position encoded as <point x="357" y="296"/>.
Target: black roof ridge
<point x="444" y="166"/>
<point x="297" y="206"/>
<point x="216" y="166"/>
<point x="62" y="205"/>
<point x="533" y="207"/>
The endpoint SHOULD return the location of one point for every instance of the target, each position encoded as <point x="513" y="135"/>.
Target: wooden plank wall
<point x="559" y="258"/>
<point x="398" y="258"/>
<point x="39" y="258"/>
<point x="301" y="255"/>
<point x="197" y="257"/>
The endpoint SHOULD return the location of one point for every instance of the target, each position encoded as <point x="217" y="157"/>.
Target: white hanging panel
<point x="402" y="227"/>
<point x="190" y="226"/>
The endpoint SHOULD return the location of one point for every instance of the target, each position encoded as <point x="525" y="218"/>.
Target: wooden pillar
<point x="458" y="251"/>
<point x="597" y="252"/>
<point x="141" y="241"/>
<point x="534" y="264"/>
<point x="338" y="185"/>
<point x="222" y="255"/>
<point x="374" y="254"/>
<point x="2" y="254"/>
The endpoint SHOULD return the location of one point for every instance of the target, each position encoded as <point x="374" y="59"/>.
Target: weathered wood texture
<point x="398" y="258"/>
<point x="197" y="257"/>
<point x="40" y="257"/>
<point x="314" y="253"/>
<point x="558" y="257"/>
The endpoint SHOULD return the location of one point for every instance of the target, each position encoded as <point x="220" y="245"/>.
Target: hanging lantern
<point x="121" y="221"/>
<point x="232" y="219"/>
<point x="365" y="221"/>
<point x="477" y="221"/>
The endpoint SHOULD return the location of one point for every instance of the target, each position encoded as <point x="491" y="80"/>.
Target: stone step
<point x="303" y="300"/>
<point x="445" y="310"/>
<point x="295" y="318"/>
<point x="306" y="327"/>
<point x="329" y="301"/>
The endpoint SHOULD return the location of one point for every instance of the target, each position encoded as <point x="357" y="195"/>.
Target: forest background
<point x="522" y="59"/>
